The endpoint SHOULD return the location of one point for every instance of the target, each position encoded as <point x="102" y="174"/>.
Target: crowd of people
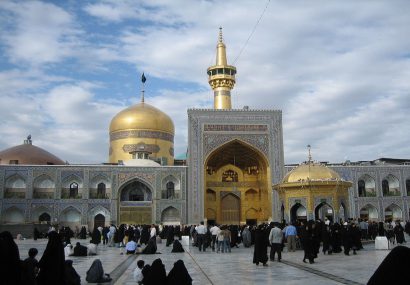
<point x="309" y="236"/>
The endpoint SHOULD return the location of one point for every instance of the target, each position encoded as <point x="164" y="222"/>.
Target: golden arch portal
<point x="237" y="179"/>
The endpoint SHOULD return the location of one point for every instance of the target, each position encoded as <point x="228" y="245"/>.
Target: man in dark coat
<point x="105" y="231"/>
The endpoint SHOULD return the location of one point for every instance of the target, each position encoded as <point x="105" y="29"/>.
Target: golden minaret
<point x="221" y="77"/>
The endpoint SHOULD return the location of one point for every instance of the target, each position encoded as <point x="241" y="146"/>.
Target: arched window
<point x="385" y="187"/>
<point x="136" y="195"/>
<point x="361" y="185"/>
<point x="170" y="190"/>
<point x="229" y="176"/>
<point x="408" y="187"/>
<point x="73" y="190"/>
<point x="101" y="190"/>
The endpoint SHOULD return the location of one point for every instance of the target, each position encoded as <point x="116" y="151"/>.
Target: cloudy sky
<point x="338" y="70"/>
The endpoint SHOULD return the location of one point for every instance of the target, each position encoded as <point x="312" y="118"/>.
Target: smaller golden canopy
<point x="311" y="171"/>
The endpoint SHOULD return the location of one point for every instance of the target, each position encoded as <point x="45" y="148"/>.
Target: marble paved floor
<point x="235" y="267"/>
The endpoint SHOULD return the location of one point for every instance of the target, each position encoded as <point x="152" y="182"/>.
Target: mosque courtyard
<point x="232" y="268"/>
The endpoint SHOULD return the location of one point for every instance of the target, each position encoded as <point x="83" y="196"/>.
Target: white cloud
<point x="39" y="32"/>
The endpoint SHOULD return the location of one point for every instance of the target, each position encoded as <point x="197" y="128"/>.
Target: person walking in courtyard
<point x="214" y="232"/>
<point x="220" y="239"/>
<point x="275" y="239"/>
<point x="290" y="236"/>
<point x="246" y="237"/>
<point x="201" y="231"/>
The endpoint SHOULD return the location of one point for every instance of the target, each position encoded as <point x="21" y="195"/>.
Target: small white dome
<point x="141" y="162"/>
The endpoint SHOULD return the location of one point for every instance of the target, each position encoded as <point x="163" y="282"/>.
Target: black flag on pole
<point x="143" y="79"/>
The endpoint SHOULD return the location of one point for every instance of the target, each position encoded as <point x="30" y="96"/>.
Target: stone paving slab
<point x="235" y="267"/>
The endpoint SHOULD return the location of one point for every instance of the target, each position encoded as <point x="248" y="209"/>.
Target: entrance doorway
<point x="298" y="213"/>
<point x="241" y="169"/>
<point x="99" y="221"/>
<point x="230" y="209"/>
<point x="324" y="211"/>
<point x="44" y="218"/>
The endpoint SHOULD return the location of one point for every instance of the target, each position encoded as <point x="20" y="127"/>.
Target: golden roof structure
<point x="142" y="127"/>
<point x="311" y="171"/>
<point x="142" y="116"/>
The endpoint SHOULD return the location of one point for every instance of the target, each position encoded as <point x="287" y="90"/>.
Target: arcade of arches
<point x="237" y="180"/>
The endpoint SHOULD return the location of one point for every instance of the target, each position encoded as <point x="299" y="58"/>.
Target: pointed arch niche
<point x="366" y="186"/>
<point x="369" y="213"/>
<point x="170" y="215"/>
<point x="100" y="187"/>
<point x="12" y="215"/>
<point x="243" y="170"/>
<point x="44" y="187"/>
<point x="15" y="187"/>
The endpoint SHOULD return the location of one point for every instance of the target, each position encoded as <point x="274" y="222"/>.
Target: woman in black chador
<point x="307" y="242"/>
<point x="336" y="238"/>
<point x="95" y="236"/>
<point x="156" y="275"/>
<point x="261" y="246"/>
<point x="96" y="273"/>
<point x="144" y="234"/>
<point x="399" y="233"/>
<point x="177" y="246"/>
<point x="179" y="275"/>
<point x="327" y="248"/>
<point x="10" y="260"/>
<point x="52" y="263"/>
<point x="170" y="235"/>
<point x="393" y="268"/>
<point x="83" y="233"/>
<point x="151" y="247"/>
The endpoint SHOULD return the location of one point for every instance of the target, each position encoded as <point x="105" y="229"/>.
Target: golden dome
<point x="142" y="116"/>
<point x="312" y="172"/>
<point x="28" y="154"/>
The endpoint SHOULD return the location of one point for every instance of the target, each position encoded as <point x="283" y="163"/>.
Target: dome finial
<point x="309" y="155"/>
<point x="143" y="79"/>
<point x="220" y="35"/>
<point x="28" y="140"/>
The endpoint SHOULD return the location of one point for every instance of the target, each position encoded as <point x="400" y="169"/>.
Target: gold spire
<point x="221" y="77"/>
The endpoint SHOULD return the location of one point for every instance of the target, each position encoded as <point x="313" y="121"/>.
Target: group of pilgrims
<point x="309" y="236"/>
